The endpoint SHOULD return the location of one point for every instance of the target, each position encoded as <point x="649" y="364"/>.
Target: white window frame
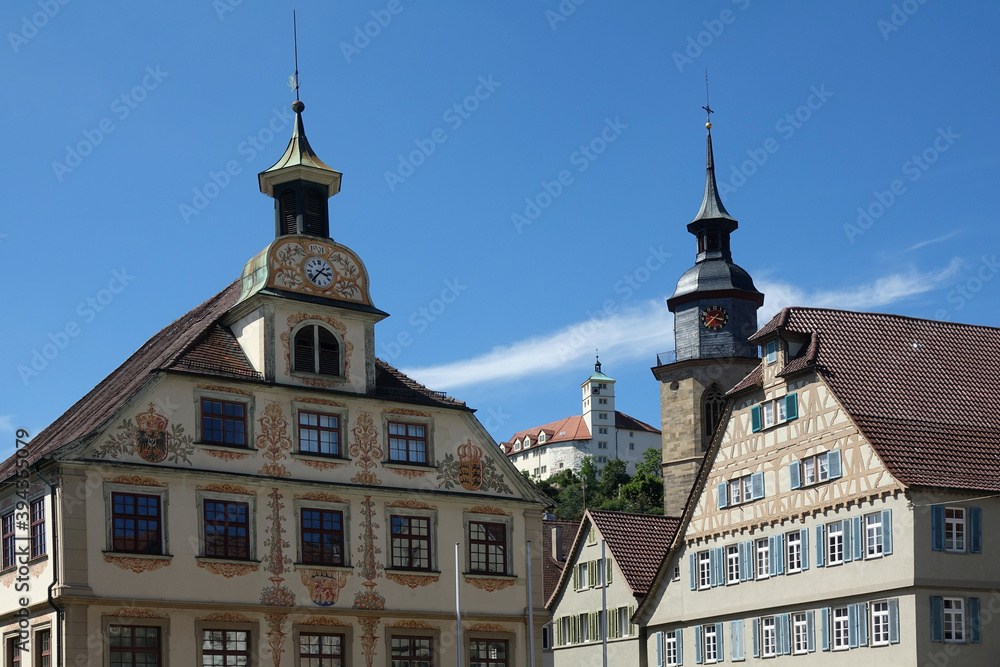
<point x="735" y="497"/>
<point x="733" y="564"/>
<point x="710" y="643"/>
<point x="880" y="623"/>
<point x="840" y="629"/>
<point x="517" y="445"/>
<point x="873" y="535"/>
<point x="954" y="620"/>
<point x="670" y="649"/>
<point x="747" y="486"/>
<point x="762" y="558"/>
<point x="955" y="527"/>
<point x="704" y="570"/>
<point x="834" y="539"/>
<point x="794" y="549"/>
<point x="602" y="415"/>
<point x="768" y="637"/>
<point x="767" y="414"/>
<point x="809" y="471"/>
<point x="800" y="633"/>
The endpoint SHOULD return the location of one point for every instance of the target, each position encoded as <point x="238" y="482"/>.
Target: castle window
<point x="713" y="401"/>
<point x="316" y="350"/>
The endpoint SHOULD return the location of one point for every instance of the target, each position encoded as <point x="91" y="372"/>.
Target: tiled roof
<point x="923" y="392"/>
<point x="568" y="428"/>
<point x="194" y="343"/>
<point x="637" y="542"/>
<point x="552" y="568"/>
<point x="623" y="421"/>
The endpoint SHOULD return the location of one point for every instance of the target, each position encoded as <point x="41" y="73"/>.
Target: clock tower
<point x="715" y="312"/>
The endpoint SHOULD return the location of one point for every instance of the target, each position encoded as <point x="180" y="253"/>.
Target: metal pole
<point x="458" y="606"/>
<point x="531" y="613"/>
<point x="604" y="603"/>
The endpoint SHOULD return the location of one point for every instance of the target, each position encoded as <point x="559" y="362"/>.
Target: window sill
<point x="302" y="375"/>
<point x="321" y="566"/>
<point x="403" y="465"/>
<point x="126" y="554"/>
<point x="494" y="575"/>
<point x="234" y="561"/>
<point x="326" y="458"/>
<point x="225" y="445"/>
<point x="396" y="570"/>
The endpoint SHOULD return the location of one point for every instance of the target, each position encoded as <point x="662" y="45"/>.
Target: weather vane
<point x="293" y="80"/>
<point x="707" y="107"/>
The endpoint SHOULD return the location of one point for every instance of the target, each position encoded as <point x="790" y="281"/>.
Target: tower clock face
<point x="714" y="318"/>
<point x="319" y="271"/>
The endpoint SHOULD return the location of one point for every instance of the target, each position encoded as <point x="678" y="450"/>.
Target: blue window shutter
<point x="755" y="419"/>
<point x="937" y="618"/>
<point x="779" y="553"/>
<point x="863" y="623"/>
<point x="975" y="530"/>
<point x="937" y="527"/>
<point x="791" y="407"/>
<point x="820" y="545"/>
<point x="852" y="625"/>
<point x="845" y="526"/>
<point x="757" y="481"/>
<point x="794" y="475"/>
<point x="833" y="461"/>
<point x="824" y="623"/>
<point x="894" y="621"/>
<point x="723" y="495"/>
<point x="975" y="629"/>
<point x="693" y="566"/>
<point x="746" y="560"/>
<point x="736" y="639"/>
<point x="859" y="538"/>
<point x="658" y="637"/>
<point x="804" y="543"/>
<point x="811" y="631"/>
<point x="713" y="568"/>
<point x="720" y="566"/>
<point x="786" y="634"/>
<point x="756" y="637"/>
<point x="719" y="646"/>
<point x="679" y="634"/>
<point x="697" y="644"/>
<point x="887" y="532"/>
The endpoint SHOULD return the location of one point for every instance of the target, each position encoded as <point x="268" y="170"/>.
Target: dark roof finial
<point x="293" y="80"/>
<point x="707" y="107"/>
<point x="597" y="362"/>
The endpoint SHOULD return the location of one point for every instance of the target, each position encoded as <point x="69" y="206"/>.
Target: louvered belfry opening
<point x="316" y="351"/>
<point x="287" y="212"/>
<point x="314" y="220"/>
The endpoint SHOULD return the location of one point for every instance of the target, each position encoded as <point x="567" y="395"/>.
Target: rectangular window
<point x="873" y="535"/>
<point x="772" y="351"/>
<point x="670" y="649"/>
<point x="491" y="653"/>
<point x="954" y="529"/>
<point x="227" y="530"/>
<point x="734" y="492"/>
<point x="769" y="637"/>
<point x="800" y="632"/>
<point x="488" y="547"/>
<point x="44" y="642"/>
<point x="319" y="433"/>
<point x="224" y="647"/>
<point x="38" y="528"/>
<point x="733" y="564"/>
<point x="406" y="652"/>
<point x="748" y="487"/>
<point x="841" y="625"/>
<point x="704" y="570"/>
<point x="134" y="646"/>
<point x="880" y="623"/>
<point x="411" y="543"/>
<point x="602" y="444"/>
<point x="602" y="459"/>
<point x="602" y="401"/>
<point x="602" y="430"/>
<point x="763" y="559"/>
<point x="835" y="543"/>
<point x="711" y="648"/>
<point x="408" y="443"/>
<point x="322" y="537"/>
<point x="223" y="422"/>
<point x="677" y="573"/>
<point x="136" y="524"/>
<point x="809" y="471"/>
<point x="794" y="541"/>
<point x="8" y="540"/>
<point x="13" y="652"/>
<point x="768" y="413"/>
<point x="954" y="619"/>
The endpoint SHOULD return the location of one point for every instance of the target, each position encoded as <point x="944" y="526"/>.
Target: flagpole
<point x="458" y="606"/>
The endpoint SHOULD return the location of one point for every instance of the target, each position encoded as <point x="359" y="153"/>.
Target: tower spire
<point x="711" y="203"/>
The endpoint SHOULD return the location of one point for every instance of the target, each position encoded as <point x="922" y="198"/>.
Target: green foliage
<point x="610" y="488"/>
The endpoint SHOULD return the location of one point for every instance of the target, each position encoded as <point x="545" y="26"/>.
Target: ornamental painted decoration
<point x="365" y="449"/>
<point x="150" y="439"/>
<point x="488" y="627"/>
<point x="276" y="635"/>
<point x="369" y="640"/>
<point x="137" y="565"/>
<point x="324" y="585"/>
<point x="489" y="585"/>
<point x="287" y="260"/>
<point x="413" y="625"/>
<point x="134" y="480"/>
<point x="137" y="612"/>
<point x="368" y="550"/>
<point x="412" y="580"/>
<point x="275" y="561"/>
<point x="225" y="487"/>
<point x="229" y="570"/>
<point x="273" y="440"/>
<point x="325" y="620"/>
<point x="226" y="617"/>
<point x="472" y="471"/>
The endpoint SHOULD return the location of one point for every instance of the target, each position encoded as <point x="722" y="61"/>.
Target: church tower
<point x="715" y="312"/>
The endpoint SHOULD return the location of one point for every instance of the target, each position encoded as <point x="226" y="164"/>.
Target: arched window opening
<point x="713" y="403"/>
<point x="316" y="351"/>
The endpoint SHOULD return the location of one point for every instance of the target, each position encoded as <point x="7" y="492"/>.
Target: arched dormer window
<point x="316" y="350"/>
<point x="712" y="402"/>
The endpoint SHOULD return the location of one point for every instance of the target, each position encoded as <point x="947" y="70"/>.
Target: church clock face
<point x="319" y="272"/>
<point x="714" y="318"/>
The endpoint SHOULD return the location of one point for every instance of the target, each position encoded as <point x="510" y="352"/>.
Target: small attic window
<point x="517" y="445"/>
<point x="541" y="438"/>
<point x="562" y="432"/>
<point x="316" y="350"/>
<point x="772" y="351"/>
<point x="527" y="442"/>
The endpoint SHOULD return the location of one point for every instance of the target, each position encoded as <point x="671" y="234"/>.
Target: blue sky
<point x="517" y="176"/>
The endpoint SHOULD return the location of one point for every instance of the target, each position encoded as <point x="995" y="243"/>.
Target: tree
<point x="651" y="464"/>
<point x="613" y="476"/>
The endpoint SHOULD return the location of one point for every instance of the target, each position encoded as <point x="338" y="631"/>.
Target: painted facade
<point x="215" y="502"/>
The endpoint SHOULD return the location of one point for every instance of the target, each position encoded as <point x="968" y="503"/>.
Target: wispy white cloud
<point x="939" y="239"/>
<point x="647" y="328"/>
<point x="639" y="332"/>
